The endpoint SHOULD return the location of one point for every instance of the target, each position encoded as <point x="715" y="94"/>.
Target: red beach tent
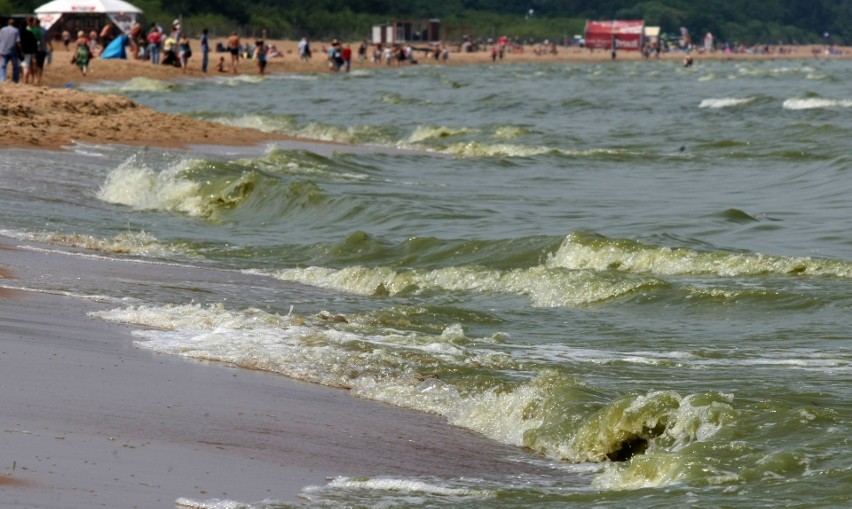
<point x="627" y="35"/>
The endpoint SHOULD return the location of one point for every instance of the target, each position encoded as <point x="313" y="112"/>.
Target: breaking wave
<point x="470" y="384"/>
<point x="580" y="251"/>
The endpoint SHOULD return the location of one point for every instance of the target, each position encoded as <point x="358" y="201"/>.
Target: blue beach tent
<point x="116" y="49"/>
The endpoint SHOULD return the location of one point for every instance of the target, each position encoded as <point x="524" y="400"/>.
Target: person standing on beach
<point x="346" y="53"/>
<point x="154" y="40"/>
<point x="205" y="50"/>
<point x="176" y="30"/>
<point x="260" y="52"/>
<point x="107" y="35"/>
<point x="184" y="52"/>
<point x="304" y="49"/>
<point x="234" y="50"/>
<point x="10" y="45"/>
<point x="134" y="36"/>
<point x="335" y="56"/>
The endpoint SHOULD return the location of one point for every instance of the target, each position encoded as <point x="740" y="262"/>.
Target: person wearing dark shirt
<point x="29" y="48"/>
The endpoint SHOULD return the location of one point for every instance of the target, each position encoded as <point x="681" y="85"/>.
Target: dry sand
<point x="86" y="419"/>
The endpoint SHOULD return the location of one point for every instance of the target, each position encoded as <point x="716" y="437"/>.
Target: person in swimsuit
<point x="184" y="51"/>
<point x="234" y="49"/>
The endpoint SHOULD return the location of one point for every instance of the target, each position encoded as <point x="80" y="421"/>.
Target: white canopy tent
<point x="119" y="12"/>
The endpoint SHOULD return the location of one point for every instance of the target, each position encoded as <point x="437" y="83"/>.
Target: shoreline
<point x="57" y="114"/>
<point x="90" y="419"/>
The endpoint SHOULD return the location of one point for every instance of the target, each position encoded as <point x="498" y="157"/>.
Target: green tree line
<point x="744" y="21"/>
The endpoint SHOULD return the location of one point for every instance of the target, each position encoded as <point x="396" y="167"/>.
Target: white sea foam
<point x="758" y="358"/>
<point x="216" y="503"/>
<point x="725" y="102"/>
<point x="816" y="103"/>
<point x="266" y="123"/>
<point x="384" y="367"/>
<point x="479" y="149"/>
<point x="406" y="486"/>
<point x="383" y="492"/>
<point x="136" y="185"/>
<point x="240" y="79"/>
<point x="380" y="367"/>
<point x="134" y="243"/>
<point x="746" y="70"/>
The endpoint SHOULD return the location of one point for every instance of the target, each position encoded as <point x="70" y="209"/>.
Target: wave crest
<point x="598" y="253"/>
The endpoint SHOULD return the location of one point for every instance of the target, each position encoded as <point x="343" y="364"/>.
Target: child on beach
<point x="260" y="52"/>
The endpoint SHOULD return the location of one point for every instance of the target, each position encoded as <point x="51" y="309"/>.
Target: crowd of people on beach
<point x="28" y="48"/>
<point x="25" y="46"/>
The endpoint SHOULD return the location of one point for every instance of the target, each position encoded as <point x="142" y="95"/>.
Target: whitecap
<point x="815" y="103"/>
<point x="724" y="102"/>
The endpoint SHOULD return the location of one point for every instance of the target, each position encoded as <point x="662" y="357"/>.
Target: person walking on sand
<point x="45" y="50"/>
<point x="234" y="50"/>
<point x="10" y="45"/>
<point x="29" y="48"/>
<point x="83" y="54"/>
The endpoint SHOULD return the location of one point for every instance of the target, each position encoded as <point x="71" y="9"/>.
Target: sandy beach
<point x="90" y="420"/>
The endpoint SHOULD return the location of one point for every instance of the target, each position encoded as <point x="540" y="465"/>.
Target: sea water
<point x="616" y="261"/>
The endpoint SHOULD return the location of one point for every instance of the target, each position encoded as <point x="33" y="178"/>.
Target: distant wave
<point x="426" y="132"/>
<point x="580" y="251"/>
<point x="725" y="102"/>
<point x="137" y="84"/>
<point x="284" y="124"/>
<point x="816" y="103"/>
